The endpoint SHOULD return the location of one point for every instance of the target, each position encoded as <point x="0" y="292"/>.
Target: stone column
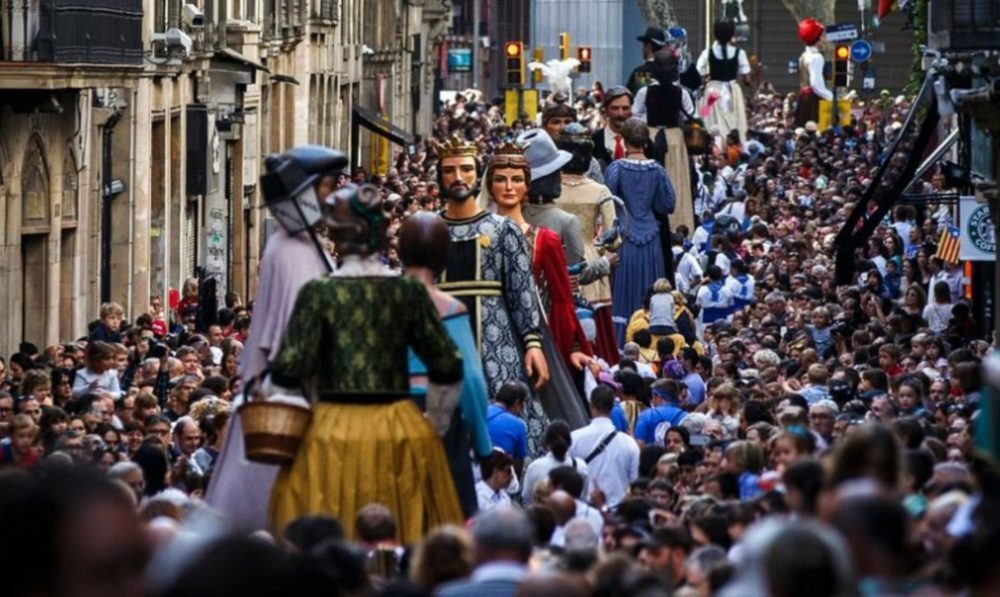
<point x="142" y="124"/>
<point x="57" y="132"/>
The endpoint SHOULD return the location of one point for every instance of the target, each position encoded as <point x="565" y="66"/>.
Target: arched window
<point x="34" y="190"/>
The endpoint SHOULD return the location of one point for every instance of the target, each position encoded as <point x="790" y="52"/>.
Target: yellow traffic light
<point x="563" y="46"/>
<point x="583" y="54"/>
<point x="515" y="63"/>
<point x="841" y="54"/>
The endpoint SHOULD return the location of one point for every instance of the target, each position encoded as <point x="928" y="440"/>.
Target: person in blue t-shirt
<point x="695" y="384"/>
<point x="504" y="424"/>
<point x="666" y="412"/>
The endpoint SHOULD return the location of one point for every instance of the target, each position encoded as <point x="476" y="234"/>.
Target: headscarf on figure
<point x="356" y="221"/>
<point x="689" y="76"/>
<point x="366" y="432"/>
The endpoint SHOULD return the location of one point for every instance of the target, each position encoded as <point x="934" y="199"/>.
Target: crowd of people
<point x="736" y="422"/>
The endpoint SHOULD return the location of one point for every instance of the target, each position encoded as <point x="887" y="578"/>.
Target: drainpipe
<point x="107" y="193"/>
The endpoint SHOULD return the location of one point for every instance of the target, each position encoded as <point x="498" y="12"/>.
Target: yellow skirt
<point x="354" y="455"/>
<point x="678" y="166"/>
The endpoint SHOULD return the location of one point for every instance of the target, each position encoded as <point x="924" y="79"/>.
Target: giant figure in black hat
<point x="294" y="185"/>
<point x="652" y="40"/>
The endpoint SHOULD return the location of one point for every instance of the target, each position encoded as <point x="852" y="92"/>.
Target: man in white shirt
<point x="567" y="482"/>
<point x="612" y="458"/>
<point x="736" y="207"/>
<point x="491" y="490"/>
<point x="740" y="284"/>
<point x="715" y="300"/>
<point x="687" y="270"/>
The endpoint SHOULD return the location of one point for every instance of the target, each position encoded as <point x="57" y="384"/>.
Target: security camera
<point x="193" y="17"/>
<point x="178" y="40"/>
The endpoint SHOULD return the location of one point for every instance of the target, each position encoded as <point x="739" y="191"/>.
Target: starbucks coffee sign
<point x="979" y="241"/>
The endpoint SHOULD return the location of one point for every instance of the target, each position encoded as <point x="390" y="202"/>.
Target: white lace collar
<point x="356" y="266"/>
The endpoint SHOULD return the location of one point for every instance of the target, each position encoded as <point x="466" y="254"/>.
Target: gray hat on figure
<point x="542" y="154"/>
<point x="287" y="184"/>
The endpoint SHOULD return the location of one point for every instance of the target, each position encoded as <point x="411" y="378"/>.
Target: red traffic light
<point x="842" y="53"/>
<point x="583" y="54"/>
<point x="514" y="49"/>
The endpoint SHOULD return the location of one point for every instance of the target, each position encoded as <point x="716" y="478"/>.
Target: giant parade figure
<point x="367" y="441"/>
<point x="594" y="206"/>
<point x="423" y="249"/>
<point x="723" y="66"/>
<point x="812" y="86"/>
<point x="293" y="185"/>
<point x="510" y="176"/>
<point x="489" y="269"/>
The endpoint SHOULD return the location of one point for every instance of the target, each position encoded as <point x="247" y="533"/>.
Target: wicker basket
<point x="272" y="431"/>
<point x="697" y="139"/>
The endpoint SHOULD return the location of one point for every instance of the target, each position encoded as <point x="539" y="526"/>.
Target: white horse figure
<point x="557" y="74"/>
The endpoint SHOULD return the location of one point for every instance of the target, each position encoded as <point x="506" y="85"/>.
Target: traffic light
<point x="841" y="54"/>
<point x="583" y="54"/>
<point x="539" y="56"/>
<point x="515" y="63"/>
<point x="563" y="46"/>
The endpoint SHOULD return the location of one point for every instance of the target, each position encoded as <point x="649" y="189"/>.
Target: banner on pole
<point x="979" y="241"/>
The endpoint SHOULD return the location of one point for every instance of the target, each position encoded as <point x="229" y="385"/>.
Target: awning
<point x="232" y="55"/>
<point x="284" y="79"/>
<point x="373" y="122"/>
<point x="894" y="176"/>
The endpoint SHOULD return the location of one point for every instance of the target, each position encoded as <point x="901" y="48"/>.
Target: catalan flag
<point x="887" y="6"/>
<point x="948" y="245"/>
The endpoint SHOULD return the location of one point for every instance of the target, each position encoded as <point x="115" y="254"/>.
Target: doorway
<point x="34" y="293"/>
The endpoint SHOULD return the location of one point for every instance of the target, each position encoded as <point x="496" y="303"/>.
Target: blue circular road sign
<point x="861" y="50"/>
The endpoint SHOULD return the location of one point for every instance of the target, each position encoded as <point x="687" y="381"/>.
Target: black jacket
<point x="605" y="158"/>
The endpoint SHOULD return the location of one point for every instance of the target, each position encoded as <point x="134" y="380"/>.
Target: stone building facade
<point x="130" y="161"/>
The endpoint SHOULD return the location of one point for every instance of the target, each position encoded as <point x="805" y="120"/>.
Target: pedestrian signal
<point x="841" y="54"/>
<point x="583" y="54"/>
<point x="515" y="63"/>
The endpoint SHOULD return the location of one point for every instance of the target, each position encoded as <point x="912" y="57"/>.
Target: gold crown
<point x="509" y="148"/>
<point x="455" y="146"/>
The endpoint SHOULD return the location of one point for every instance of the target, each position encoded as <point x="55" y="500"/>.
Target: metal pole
<point x="835" y="108"/>
<point x="476" y="16"/>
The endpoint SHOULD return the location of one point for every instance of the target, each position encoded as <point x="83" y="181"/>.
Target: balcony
<point x="964" y="25"/>
<point x="78" y="33"/>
